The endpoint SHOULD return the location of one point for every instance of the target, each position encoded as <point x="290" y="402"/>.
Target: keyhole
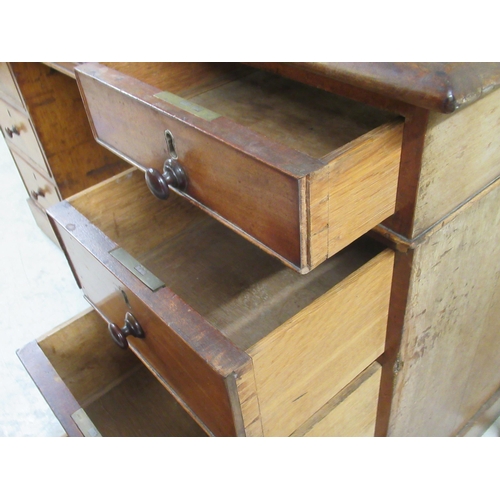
<point x="169" y="138"/>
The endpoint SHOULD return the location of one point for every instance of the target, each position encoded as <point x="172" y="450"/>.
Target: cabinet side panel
<point x="450" y="350"/>
<point x="461" y="156"/>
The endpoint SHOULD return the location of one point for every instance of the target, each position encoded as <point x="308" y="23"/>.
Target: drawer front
<point x="296" y="207"/>
<point x="194" y="360"/>
<point x="16" y="128"/>
<point x="351" y="413"/>
<point x="8" y="85"/>
<point x="39" y="188"/>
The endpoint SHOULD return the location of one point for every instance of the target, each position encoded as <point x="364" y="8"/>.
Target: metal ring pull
<point x="173" y="174"/>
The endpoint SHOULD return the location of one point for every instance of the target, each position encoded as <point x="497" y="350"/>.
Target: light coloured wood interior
<point x="238" y="288"/>
<point x="121" y="397"/>
<point x="351" y="413"/>
<point x="304" y="118"/>
<point x="305" y="362"/>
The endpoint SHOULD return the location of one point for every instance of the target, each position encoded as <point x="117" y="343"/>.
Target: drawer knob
<point x="173" y="173"/>
<point x="37" y="194"/>
<point x="11" y="131"/>
<point x="131" y="327"/>
<point x="159" y="183"/>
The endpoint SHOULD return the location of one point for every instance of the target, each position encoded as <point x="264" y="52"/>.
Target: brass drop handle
<point x="36" y="194"/>
<point x="11" y="131"/>
<point x="173" y="174"/>
<point x="131" y="327"/>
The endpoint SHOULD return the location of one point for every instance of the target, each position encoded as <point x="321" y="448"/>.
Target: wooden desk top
<point x="443" y="87"/>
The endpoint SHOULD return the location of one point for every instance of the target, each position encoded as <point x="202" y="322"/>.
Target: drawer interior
<point x="238" y="288"/>
<point x="307" y="119"/>
<point x="119" y="395"/>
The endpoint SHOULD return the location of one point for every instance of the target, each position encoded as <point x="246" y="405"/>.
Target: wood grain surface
<point x="451" y="348"/>
<point x="461" y="156"/>
<point x="306" y="361"/>
<point x="76" y="161"/>
<point x="351" y="413"/>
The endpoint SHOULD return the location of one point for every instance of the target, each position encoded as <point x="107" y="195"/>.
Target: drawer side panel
<point x="304" y="363"/>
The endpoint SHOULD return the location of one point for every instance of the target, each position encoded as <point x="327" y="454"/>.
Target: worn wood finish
<point x="212" y="166"/>
<point x="461" y="155"/>
<point x="185" y="79"/>
<point x="351" y="413"/>
<point x="58" y="115"/>
<point x="41" y="189"/>
<point x="300" y="117"/>
<point x="443" y="87"/>
<point x="222" y="296"/>
<point x="242" y="154"/>
<point x="179" y="345"/>
<point x="367" y="169"/>
<point x="306" y="361"/>
<point x="25" y="140"/>
<point x="8" y="88"/>
<point x="140" y="407"/>
<point x="451" y="348"/>
<point x="78" y="366"/>
<point x="321" y="81"/>
<point x="83" y="354"/>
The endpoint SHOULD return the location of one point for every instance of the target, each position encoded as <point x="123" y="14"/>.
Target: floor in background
<point x="37" y="293"/>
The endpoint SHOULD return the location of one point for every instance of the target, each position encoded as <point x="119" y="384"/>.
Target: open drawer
<point x="245" y="344"/>
<point x="298" y="171"/>
<point x="95" y="389"/>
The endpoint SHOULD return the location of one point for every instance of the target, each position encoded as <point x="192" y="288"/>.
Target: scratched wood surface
<point x="461" y="155"/>
<point x="450" y="350"/>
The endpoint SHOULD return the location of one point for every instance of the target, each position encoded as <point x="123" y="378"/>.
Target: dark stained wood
<point x="191" y="355"/>
<point x="258" y="198"/>
<point x="402" y="221"/>
<point x="57" y="113"/>
<point x="246" y="167"/>
<point x="52" y="387"/>
<point x="440" y="86"/>
<point x="389" y="360"/>
<point x="338" y="87"/>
